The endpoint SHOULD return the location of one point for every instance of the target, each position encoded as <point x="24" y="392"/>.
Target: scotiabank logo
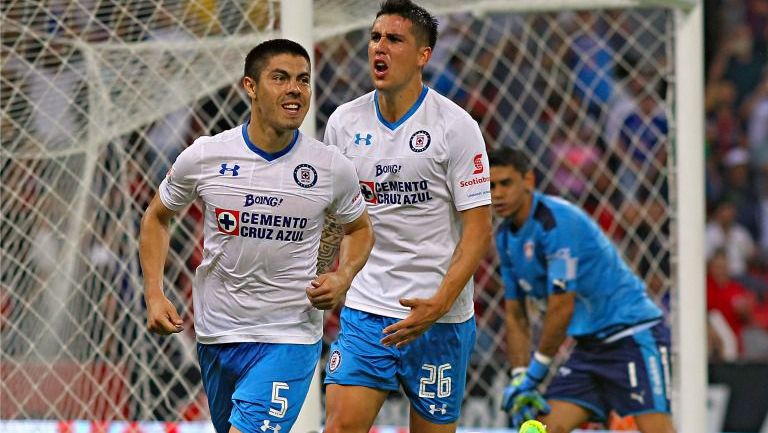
<point x="475" y="181"/>
<point x="478" y="161"/>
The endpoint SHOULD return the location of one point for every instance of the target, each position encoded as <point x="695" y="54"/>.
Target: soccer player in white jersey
<point x="257" y="298"/>
<point x="408" y="317"/>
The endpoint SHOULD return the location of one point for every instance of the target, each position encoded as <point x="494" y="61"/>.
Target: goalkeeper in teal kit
<point x="556" y="259"/>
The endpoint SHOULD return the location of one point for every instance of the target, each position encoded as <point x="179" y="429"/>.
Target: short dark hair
<point x="424" y="24"/>
<point x="259" y="56"/>
<point x="515" y="158"/>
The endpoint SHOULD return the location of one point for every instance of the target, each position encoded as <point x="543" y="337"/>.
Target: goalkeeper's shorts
<point x="256" y="387"/>
<point x="629" y="375"/>
<point x="432" y="370"/>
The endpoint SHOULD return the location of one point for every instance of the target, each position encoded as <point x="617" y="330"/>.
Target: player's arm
<point x="472" y="246"/>
<point x="518" y="336"/>
<point x="556" y="319"/>
<point x="154" y="237"/>
<point x="328" y="289"/>
<point x="333" y="233"/>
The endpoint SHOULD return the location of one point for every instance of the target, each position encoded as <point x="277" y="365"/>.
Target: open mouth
<point x="380" y="67"/>
<point x="292" y="107"/>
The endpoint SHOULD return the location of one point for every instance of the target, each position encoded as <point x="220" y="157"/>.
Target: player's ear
<point x="424" y="56"/>
<point x="249" y="84"/>
<point x="530" y="181"/>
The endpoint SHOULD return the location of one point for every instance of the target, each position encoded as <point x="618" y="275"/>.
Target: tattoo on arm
<point x="329" y="243"/>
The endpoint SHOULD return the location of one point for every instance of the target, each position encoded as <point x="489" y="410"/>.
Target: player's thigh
<point x="270" y="393"/>
<point x="433" y="370"/>
<point x="638" y="380"/>
<point x="576" y="382"/>
<point x="422" y="425"/>
<point x="220" y="368"/>
<point x="351" y="409"/>
<point x="564" y="417"/>
<point x="654" y="423"/>
<point x="357" y="357"/>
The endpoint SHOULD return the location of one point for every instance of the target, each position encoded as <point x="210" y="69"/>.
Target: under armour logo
<point x="564" y="371"/>
<point x="433" y="408"/>
<point x="367" y="139"/>
<point x="224" y="169"/>
<point x="265" y="426"/>
<point x="640" y="397"/>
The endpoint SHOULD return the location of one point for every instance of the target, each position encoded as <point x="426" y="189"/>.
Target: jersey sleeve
<point x="330" y="137"/>
<point x="506" y="268"/>
<point x="179" y="188"/>
<point x="468" y="170"/>
<point x="562" y="249"/>
<point x="348" y="202"/>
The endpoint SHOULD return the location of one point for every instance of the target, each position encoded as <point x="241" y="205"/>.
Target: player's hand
<point x="525" y="381"/>
<point x="424" y="312"/>
<point x="513" y="390"/>
<point x="162" y="317"/>
<point x="327" y="291"/>
<point x="528" y="405"/>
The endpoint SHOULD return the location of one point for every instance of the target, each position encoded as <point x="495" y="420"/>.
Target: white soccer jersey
<point x="264" y="215"/>
<point x="416" y="175"/>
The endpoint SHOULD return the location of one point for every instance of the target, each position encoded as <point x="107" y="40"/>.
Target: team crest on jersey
<point x="228" y="221"/>
<point x="305" y="175"/>
<point x="334" y="361"/>
<point x="420" y="141"/>
<point x="528" y="249"/>
<point x="368" y="191"/>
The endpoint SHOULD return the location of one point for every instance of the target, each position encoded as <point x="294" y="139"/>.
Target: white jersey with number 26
<point x="264" y="214"/>
<point x="416" y="175"/>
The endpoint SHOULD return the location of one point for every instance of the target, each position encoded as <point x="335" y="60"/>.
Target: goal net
<point x="99" y="97"/>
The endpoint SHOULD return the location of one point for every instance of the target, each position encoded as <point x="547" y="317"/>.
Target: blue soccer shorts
<point x="432" y="370"/>
<point x="630" y="375"/>
<point x="257" y="387"/>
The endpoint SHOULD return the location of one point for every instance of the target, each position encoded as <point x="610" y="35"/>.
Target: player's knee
<point x="340" y="423"/>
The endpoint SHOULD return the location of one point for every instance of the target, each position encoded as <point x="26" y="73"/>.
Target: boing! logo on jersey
<point x="305" y="175"/>
<point x="420" y="141"/>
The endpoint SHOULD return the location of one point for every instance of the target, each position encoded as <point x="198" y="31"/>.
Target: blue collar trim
<point x="266" y="155"/>
<point x="406" y="116"/>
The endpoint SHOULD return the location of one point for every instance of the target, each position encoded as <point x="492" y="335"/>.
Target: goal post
<point x="98" y="98"/>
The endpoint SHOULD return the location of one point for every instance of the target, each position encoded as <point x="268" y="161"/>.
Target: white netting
<point x="98" y="97"/>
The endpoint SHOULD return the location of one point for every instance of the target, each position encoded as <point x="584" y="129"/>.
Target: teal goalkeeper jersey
<point x="561" y="249"/>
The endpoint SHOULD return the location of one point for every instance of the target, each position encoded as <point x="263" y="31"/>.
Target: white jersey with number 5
<point x="264" y="214"/>
<point x="416" y="175"/>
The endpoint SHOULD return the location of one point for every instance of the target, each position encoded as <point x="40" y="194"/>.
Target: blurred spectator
<point x="757" y="127"/>
<point x="592" y="60"/>
<point x="728" y="296"/>
<point x="736" y="62"/>
<point x="574" y="159"/>
<point x="642" y="146"/>
<point x="740" y="188"/>
<point x="723" y="127"/>
<point x="723" y="232"/>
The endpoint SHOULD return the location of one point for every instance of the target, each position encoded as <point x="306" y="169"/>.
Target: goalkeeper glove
<point x="528" y="405"/>
<point x="525" y="380"/>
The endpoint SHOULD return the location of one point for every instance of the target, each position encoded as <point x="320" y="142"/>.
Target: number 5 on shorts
<point x="435" y="374"/>
<point x="282" y="402"/>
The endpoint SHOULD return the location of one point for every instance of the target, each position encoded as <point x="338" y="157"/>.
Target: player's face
<point x="510" y="191"/>
<point x="281" y="95"/>
<point x="395" y="56"/>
